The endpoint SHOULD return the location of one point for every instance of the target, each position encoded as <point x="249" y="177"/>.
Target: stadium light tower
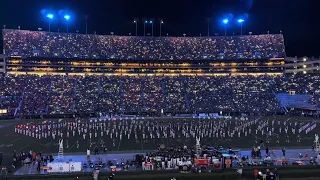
<point x="208" y="21"/>
<point x="225" y="22"/>
<point x="136" y="22"/>
<point x="50" y="17"/>
<point x="151" y="22"/>
<point x="161" y="22"/>
<point x="241" y="21"/>
<point x="86" y="17"/>
<point x="144" y="27"/>
<point x="67" y="18"/>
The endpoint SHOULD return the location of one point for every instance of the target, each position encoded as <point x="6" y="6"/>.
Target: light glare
<point x="225" y="21"/>
<point x="240" y="20"/>
<point x="67" y="17"/>
<point x="50" y="16"/>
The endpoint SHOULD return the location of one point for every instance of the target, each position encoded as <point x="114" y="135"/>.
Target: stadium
<point x="139" y="94"/>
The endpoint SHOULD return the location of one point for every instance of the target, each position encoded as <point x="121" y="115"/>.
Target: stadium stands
<point x="77" y="94"/>
<point x="61" y="45"/>
<point x="66" y="94"/>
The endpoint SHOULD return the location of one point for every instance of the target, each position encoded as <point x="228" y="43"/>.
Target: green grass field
<point x="10" y="140"/>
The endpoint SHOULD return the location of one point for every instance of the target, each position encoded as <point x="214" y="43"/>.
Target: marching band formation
<point x="143" y="134"/>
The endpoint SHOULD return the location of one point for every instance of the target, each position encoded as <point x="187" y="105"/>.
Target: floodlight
<point x="50" y="16"/>
<point x="240" y="20"/>
<point x="225" y="21"/>
<point x="67" y="17"/>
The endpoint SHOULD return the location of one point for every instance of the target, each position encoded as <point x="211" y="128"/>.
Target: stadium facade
<point x="2" y="63"/>
<point x="302" y="65"/>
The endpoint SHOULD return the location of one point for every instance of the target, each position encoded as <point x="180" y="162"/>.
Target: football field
<point x="144" y="137"/>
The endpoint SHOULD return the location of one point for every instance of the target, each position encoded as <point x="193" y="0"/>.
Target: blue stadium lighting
<point x="225" y="21"/>
<point x="50" y="16"/>
<point x="240" y="20"/>
<point x="150" y="22"/>
<point x="66" y="17"/>
<point x="146" y="22"/>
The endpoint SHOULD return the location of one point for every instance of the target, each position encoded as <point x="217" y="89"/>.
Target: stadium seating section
<point x="61" y="45"/>
<point x="28" y="94"/>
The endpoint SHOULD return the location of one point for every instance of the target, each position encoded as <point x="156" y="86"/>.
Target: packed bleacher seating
<point x="61" y="45"/>
<point x="62" y="95"/>
<point x="110" y="91"/>
<point x="35" y="95"/>
<point x="31" y="94"/>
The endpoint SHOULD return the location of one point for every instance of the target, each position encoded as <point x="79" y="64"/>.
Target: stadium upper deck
<point x="61" y="45"/>
<point x="37" y="51"/>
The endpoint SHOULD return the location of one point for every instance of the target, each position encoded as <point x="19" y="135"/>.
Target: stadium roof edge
<point x="141" y="36"/>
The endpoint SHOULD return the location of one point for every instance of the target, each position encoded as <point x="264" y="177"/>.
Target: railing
<point x="17" y="110"/>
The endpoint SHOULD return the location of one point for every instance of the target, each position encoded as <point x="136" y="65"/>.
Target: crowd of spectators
<point x="62" y="95"/>
<point x="123" y="94"/>
<point x="35" y="94"/>
<point x="62" y="45"/>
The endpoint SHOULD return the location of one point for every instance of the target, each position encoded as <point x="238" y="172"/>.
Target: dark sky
<point x="298" y="19"/>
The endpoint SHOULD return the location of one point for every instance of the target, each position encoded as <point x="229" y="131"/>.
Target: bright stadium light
<point x="240" y="21"/>
<point x="50" y="16"/>
<point x="150" y="22"/>
<point x="66" y="17"/>
<point x="225" y="21"/>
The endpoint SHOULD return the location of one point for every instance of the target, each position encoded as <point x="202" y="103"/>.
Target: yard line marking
<point x="16" y="140"/>
<point x="23" y="148"/>
<point x="52" y="142"/>
<point x="119" y="145"/>
<point x="73" y="145"/>
<point x="99" y="141"/>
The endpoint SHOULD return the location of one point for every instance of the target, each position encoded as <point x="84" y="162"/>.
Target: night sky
<point x="298" y="19"/>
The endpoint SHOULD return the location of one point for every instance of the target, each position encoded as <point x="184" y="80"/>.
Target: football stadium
<point x="77" y="103"/>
